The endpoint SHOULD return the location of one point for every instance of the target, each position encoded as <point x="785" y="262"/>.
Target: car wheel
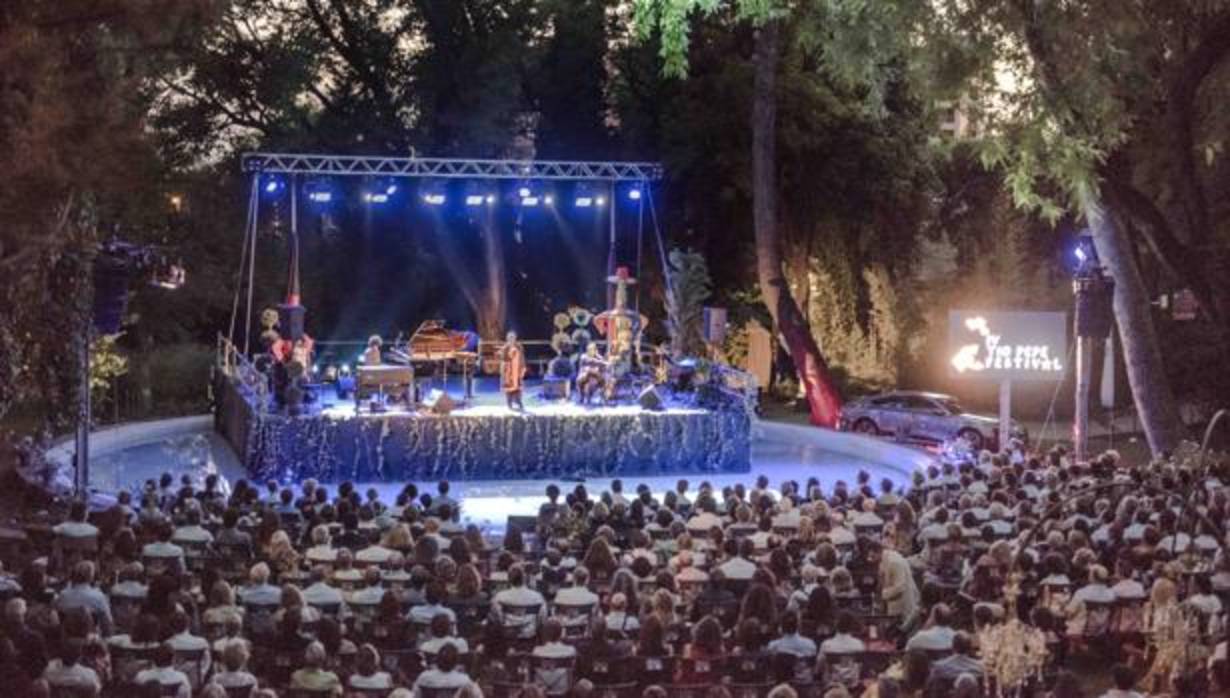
<point x="973" y="437"/>
<point x="866" y="426"/>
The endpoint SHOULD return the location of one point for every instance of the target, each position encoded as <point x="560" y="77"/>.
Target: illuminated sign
<point x="1018" y="346"/>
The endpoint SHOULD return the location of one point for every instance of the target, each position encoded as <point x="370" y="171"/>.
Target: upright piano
<point x="393" y="382"/>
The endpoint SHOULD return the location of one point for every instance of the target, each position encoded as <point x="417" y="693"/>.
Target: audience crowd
<point x="859" y="589"/>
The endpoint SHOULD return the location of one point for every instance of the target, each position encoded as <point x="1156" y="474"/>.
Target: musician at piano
<point x="592" y="374"/>
<point x="512" y="371"/>
<point x="371" y="357"/>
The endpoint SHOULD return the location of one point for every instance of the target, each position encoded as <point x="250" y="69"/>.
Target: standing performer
<point x="512" y="371"/>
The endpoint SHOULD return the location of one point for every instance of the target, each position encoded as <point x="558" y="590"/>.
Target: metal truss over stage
<point x="450" y="168"/>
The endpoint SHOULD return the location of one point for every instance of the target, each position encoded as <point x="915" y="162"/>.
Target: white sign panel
<point x="1016" y="346"/>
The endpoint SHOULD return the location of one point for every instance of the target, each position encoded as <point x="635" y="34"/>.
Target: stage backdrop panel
<point x="601" y="443"/>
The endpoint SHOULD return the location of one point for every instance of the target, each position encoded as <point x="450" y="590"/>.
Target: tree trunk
<point x="1155" y="401"/>
<point x="822" y="397"/>
<point x="493" y="307"/>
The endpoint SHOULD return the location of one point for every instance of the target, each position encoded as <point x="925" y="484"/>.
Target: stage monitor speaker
<point x="715" y="325"/>
<point x="290" y="321"/>
<point x="439" y="402"/>
<point x="649" y="399"/>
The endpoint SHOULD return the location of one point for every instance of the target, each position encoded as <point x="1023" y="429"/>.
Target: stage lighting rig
<point x="635" y="192"/>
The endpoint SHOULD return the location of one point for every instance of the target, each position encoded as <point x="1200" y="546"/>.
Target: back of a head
<point x="447" y="657"/>
<point x="1124" y="677"/>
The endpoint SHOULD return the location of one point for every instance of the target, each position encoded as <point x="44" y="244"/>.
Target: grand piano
<point x="433" y="350"/>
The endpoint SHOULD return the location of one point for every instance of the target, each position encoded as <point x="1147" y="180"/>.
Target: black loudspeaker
<point x="1095" y="306"/>
<point x="111" y="279"/>
<point x="439" y="402"/>
<point x="649" y="399"/>
<point x="290" y="320"/>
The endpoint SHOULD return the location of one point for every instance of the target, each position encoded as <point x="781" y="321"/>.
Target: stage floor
<point x="487" y="401"/>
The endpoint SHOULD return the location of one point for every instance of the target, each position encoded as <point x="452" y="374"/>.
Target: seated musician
<point x="371" y="357"/>
<point x="591" y="374"/>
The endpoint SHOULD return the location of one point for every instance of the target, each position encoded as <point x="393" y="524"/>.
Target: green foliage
<point x="691" y="287"/>
<point x="107" y="364"/>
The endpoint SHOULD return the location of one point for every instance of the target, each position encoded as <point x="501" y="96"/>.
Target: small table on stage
<point x="391" y="381"/>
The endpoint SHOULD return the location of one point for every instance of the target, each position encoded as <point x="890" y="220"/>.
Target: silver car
<point x="932" y="418"/>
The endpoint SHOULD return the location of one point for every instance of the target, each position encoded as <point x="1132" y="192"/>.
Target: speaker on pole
<point x="1095" y="310"/>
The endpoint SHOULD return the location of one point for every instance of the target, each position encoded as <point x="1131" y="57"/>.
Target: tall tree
<point x="1106" y="109"/>
<point x="79" y="162"/>
<point x="852" y="43"/>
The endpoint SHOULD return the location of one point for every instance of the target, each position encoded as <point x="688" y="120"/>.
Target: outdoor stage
<point x="483" y="440"/>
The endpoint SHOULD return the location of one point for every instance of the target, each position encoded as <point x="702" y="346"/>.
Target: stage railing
<point x="252" y="384"/>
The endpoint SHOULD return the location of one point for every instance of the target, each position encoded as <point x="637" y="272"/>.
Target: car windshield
<point x="951" y="405"/>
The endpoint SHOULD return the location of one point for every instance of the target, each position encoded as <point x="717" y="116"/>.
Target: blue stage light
<point x="584" y="201"/>
<point x="375" y="197"/>
<point x="529" y="201"/>
<point x="320" y="197"/>
<point x="434" y="199"/>
<point x="634" y="193"/>
<point x="524" y="192"/>
<point x="548" y="199"/>
<point x="274" y="185"/>
<point x="474" y="200"/>
<point x="391" y="189"/>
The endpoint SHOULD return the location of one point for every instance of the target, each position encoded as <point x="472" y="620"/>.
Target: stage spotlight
<point x="635" y="193"/>
<point x="319" y="192"/>
<point x="274" y="185"/>
<point x="433" y="193"/>
<point x="530" y="195"/>
<point x="548" y="199"/>
<point x="391" y="189"/>
<point x="375" y="197"/>
<point x="476" y="194"/>
<point x="585" y="196"/>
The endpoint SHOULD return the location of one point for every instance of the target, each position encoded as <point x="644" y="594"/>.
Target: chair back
<point x="71" y="691"/>
<point x="555" y="674"/>
<point x="749" y="690"/>
<point x="575" y="618"/>
<point x="192" y="663"/>
<point x="845" y="668"/>
<point x="520" y="620"/>
<point x="1098" y="617"/>
<point x="258" y="617"/>
<point x="625" y="689"/>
